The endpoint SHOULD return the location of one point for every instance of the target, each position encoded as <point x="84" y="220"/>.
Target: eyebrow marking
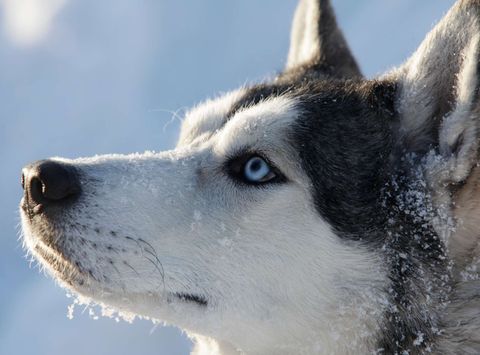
<point x="255" y="95"/>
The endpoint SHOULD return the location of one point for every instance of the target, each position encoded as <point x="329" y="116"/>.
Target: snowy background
<point x="80" y="77"/>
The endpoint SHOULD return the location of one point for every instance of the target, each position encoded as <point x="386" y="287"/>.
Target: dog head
<point x="270" y="224"/>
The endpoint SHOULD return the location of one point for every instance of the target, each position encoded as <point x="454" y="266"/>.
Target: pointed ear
<point x="438" y="99"/>
<point x="317" y="43"/>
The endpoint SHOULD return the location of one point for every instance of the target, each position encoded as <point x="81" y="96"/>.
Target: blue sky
<point x="90" y="77"/>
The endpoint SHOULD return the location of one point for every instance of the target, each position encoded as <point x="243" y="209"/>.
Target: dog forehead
<point x="267" y="117"/>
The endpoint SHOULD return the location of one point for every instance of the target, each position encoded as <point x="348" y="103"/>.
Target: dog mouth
<point x="192" y="298"/>
<point x="73" y="273"/>
<point x="59" y="264"/>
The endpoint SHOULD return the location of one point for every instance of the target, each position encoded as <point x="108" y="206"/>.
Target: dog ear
<point x="438" y="93"/>
<point x="317" y="43"/>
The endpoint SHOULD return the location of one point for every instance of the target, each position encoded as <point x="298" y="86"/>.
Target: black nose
<point x="47" y="182"/>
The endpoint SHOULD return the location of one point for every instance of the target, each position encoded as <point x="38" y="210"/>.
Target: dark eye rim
<point x="235" y="168"/>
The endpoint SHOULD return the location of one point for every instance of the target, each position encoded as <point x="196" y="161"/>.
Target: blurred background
<point x="84" y="77"/>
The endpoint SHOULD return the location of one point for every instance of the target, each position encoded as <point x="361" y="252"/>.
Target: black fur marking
<point x="200" y="300"/>
<point x="344" y="139"/>
<point x="257" y="94"/>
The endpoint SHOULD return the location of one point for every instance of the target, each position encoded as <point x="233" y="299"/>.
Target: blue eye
<point x="257" y="170"/>
<point x="252" y="169"/>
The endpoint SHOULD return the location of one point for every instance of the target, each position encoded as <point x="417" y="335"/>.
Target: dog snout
<point x="48" y="182"/>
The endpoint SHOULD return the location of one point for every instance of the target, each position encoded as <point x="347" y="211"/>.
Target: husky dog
<point x="320" y="212"/>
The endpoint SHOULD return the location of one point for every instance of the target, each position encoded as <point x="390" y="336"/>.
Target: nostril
<point x="37" y="190"/>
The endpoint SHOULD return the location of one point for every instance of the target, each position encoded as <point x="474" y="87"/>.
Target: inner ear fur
<point x="317" y="43"/>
